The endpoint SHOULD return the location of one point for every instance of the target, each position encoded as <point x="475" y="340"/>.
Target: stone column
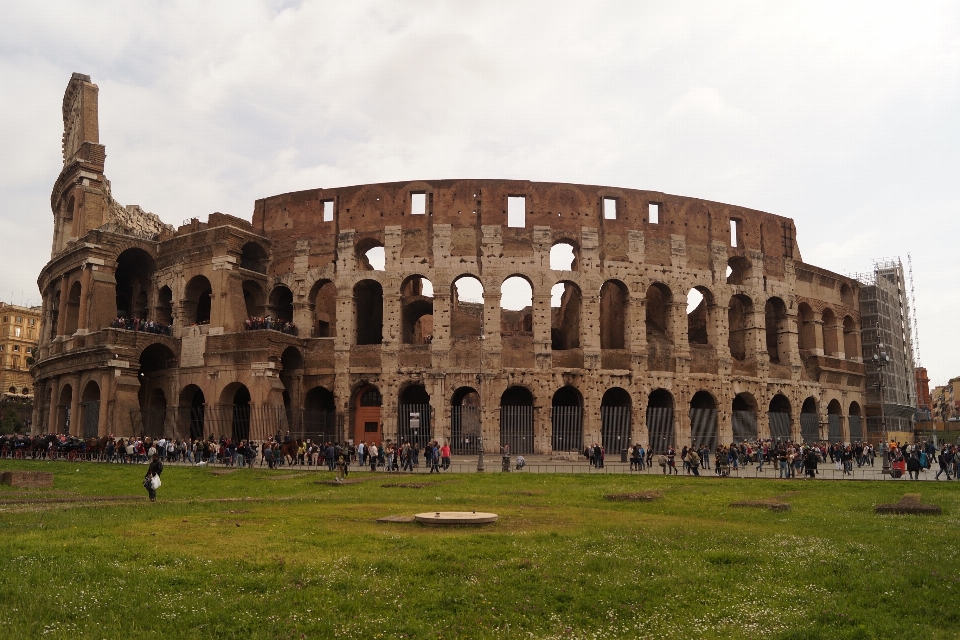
<point x="542" y="323"/>
<point x="64" y="297"/>
<point x="86" y="292"/>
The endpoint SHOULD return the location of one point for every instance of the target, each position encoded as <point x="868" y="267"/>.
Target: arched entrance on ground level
<point x="90" y="410"/>
<point x="566" y="420"/>
<point x="413" y="416"/>
<point x="64" y="409"/>
<point x="834" y="422"/>
<point x="320" y="416"/>
<point x="615" y="418"/>
<point x="192" y="411"/>
<point x="744" y="418"/>
<point x="367" y="426"/>
<point x="703" y="420"/>
<point x="856" y="423"/>
<point x="235" y="398"/>
<point x="465" y="422"/>
<point x="660" y="429"/>
<point x="156" y="361"/>
<point x="809" y="421"/>
<point x="778" y="418"/>
<point x="516" y="421"/>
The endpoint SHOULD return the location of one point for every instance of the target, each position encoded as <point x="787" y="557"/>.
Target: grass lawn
<point x="283" y="554"/>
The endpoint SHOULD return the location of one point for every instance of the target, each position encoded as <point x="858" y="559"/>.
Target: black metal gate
<point x="516" y="429"/>
<point x="465" y="430"/>
<point x="779" y="426"/>
<point x="744" y="426"/>
<point x="660" y="428"/>
<point x="413" y="424"/>
<point x="834" y="430"/>
<point x="566" y="429"/>
<point x="91" y="419"/>
<point x="614" y="428"/>
<point x="703" y="427"/>
<point x="856" y="429"/>
<point x="318" y="426"/>
<point x="809" y="427"/>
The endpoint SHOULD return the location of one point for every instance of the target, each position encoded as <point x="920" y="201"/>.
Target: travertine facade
<point x="381" y="354"/>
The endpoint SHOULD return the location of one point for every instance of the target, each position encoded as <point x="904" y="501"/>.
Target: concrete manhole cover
<point x="455" y="518"/>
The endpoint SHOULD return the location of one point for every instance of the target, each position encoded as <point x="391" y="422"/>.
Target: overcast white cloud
<point x="842" y="116"/>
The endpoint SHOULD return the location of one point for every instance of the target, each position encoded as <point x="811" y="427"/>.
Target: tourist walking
<point x="151" y="481"/>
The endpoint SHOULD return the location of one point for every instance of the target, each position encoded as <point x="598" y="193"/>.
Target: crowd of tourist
<point x="137" y="324"/>
<point x="258" y="323"/>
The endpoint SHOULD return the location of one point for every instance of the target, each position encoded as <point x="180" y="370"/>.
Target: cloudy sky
<point x="843" y="116"/>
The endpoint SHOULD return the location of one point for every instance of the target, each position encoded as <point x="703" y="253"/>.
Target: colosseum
<point x="479" y="312"/>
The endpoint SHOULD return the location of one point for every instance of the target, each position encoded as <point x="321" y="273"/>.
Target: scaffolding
<point x="886" y="325"/>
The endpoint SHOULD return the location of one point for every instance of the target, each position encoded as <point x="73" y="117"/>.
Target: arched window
<point x="564" y="256"/>
<point x="324" y="297"/>
<point x="253" y="257"/>
<point x="851" y="343"/>
<point x="739" y="314"/>
<point x="830" y="342"/>
<point x="416" y="303"/>
<point x="198" y="300"/>
<point x="614" y="301"/>
<point x="466" y="308"/>
<point x="134" y="276"/>
<point x="776" y="328"/>
<point x="371" y="255"/>
<point x="565" y="316"/>
<point x="699" y="304"/>
<point x="807" y="329"/>
<point x="368" y="301"/>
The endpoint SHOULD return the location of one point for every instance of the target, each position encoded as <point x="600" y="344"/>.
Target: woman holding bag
<point x="151" y="481"/>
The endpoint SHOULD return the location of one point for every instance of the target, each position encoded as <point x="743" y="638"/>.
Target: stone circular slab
<point x="455" y="518"/>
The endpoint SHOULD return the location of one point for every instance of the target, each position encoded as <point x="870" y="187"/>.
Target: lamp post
<point x="880" y="361"/>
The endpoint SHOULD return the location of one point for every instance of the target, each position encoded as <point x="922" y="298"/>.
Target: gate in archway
<point x="566" y="428"/>
<point x="413" y="424"/>
<point x="91" y="419"/>
<point x="465" y="430"/>
<point x="614" y="428"/>
<point x="703" y="427"/>
<point x="744" y="426"/>
<point x="516" y="429"/>
<point x="856" y="429"/>
<point x="660" y="428"/>
<point x="809" y="427"/>
<point x="834" y="429"/>
<point x="779" y="426"/>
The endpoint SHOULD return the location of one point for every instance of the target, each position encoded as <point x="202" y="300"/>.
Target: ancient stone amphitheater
<point x="485" y="313"/>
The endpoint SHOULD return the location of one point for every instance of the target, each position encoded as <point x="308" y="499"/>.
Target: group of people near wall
<point x="258" y="323"/>
<point x="146" y="326"/>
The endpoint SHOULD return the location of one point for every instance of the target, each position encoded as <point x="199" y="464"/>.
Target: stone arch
<point x="366" y="406"/>
<point x="198" y="300"/>
<point x="73" y="309"/>
<point x="775" y="313"/>
<point x="566" y="433"/>
<point x="280" y="304"/>
<point x="810" y="421"/>
<point x="739" y="270"/>
<point x="90" y="410"/>
<point x="368" y="304"/>
<point x="851" y="343"/>
<point x="615" y="419"/>
<point x="846" y="295"/>
<point x="369" y="252"/>
<point x="319" y="416"/>
<point x="235" y="402"/>
<point x="659" y="327"/>
<point x="253" y="298"/>
<point x="414" y="415"/>
<point x="164" y="314"/>
<point x="565" y="255"/>
<point x="744" y="417"/>
<point x="739" y="314"/>
<point x="830" y="342"/>
<point x="416" y="305"/>
<point x="516" y="306"/>
<point x="834" y="421"/>
<point x="465" y="421"/>
<point x="134" y="276"/>
<point x="566" y="300"/>
<point x="323" y="296"/>
<point x="156" y="363"/>
<point x="614" y="306"/>
<point x="699" y="316"/>
<point x="466" y="307"/>
<point x="807" y="328"/>
<point x="855" y="418"/>
<point x="703" y="420"/>
<point x="661" y="432"/>
<point x="780" y="418"/>
<point x="253" y="257"/>
<point x="516" y="420"/>
<point x="192" y="411"/>
<point x="64" y="409"/>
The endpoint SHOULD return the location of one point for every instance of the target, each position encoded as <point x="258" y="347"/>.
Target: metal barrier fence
<point x="566" y="429"/>
<point x="516" y="429"/>
<point x="465" y="430"/>
<point x="703" y="427"/>
<point x="614" y="429"/>
<point x="744" y="426"/>
<point x="660" y="428"/>
<point x="809" y="427"/>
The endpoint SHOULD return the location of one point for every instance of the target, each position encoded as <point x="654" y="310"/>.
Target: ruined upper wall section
<point x="80" y="116"/>
<point x="564" y="208"/>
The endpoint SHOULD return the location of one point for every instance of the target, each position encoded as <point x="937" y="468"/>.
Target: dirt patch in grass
<point x="909" y="505"/>
<point x="289" y="476"/>
<point x="644" y="496"/>
<point x="222" y="472"/>
<point x="400" y="519"/>
<point x="523" y="493"/>
<point x="773" y="504"/>
<point x="406" y="485"/>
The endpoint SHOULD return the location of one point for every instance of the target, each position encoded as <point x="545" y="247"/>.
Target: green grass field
<point x="283" y="554"/>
